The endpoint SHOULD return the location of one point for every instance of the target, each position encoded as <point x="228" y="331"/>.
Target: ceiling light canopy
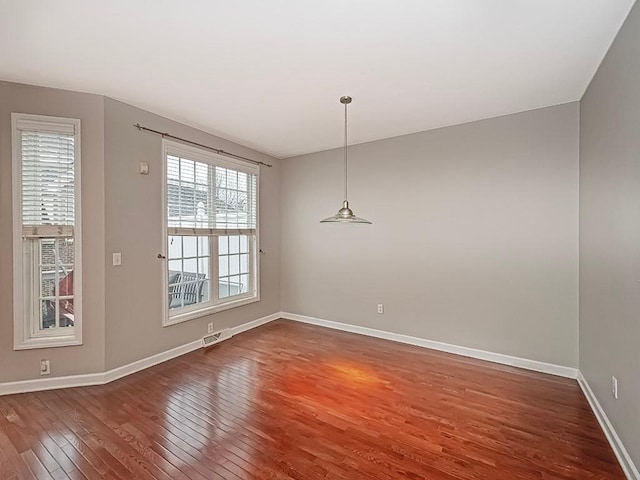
<point x="345" y="214"/>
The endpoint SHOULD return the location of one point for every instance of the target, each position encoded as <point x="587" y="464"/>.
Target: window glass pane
<point x="234" y="285"/>
<point x="201" y="213"/>
<point x="48" y="314"/>
<point x="223" y="245"/>
<point x="187" y="205"/>
<point x="242" y="181"/>
<point x="244" y="283"/>
<point x="244" y="244"/>
<point x="223" y="286"/>
<point x="65" y="309"/>
<point x="232" y="179"/>
<point x="65" y="289"/>
<point x="234" y="264"/>
<point x="204" y="267"/>
<point x="234" y="244"/>
<point x="203" y="247"/>
<point x="187" y="170"/>
<point x="175" y="246"/>
<point x="175" y="284"/>
<point x="174" y="278"/>
<point x="47" y="252"/>
<point x="190" y="265"/>
<point x="230" y="196"/>
<point x="202" y="174"/>
<point x="206" y="291"/>
<point x="66" y="250"/>
<point x="175" y="299"/>
<point x="223" y="266"/>
<point x="47" y="285"/>
<point x="173" y="168"/>
<point x="175" y="266"/>
<point x="244" y="263"/>
<point x="221" y="177"/>
<point x="189" y="246"/>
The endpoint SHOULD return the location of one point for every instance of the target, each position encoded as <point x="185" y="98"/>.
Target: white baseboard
<point x="525" y="363"/>
<point x="626" y="463"/>
<point x="86" y="380"/>
<point x="133" y="367"/>
<point x="24" y="386"/>
<point x="138" y="365"/>
<point x="255" y="323"/>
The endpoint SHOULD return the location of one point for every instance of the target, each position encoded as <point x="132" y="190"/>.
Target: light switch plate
<point x="117" y="259"/>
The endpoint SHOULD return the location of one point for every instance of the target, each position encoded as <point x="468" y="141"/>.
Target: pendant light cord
<point x="345" y="153"/>
<point x="345" y="214"/>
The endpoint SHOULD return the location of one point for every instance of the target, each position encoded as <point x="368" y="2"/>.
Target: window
<point x="47" y="241"/>
<point x="211" y="229"/>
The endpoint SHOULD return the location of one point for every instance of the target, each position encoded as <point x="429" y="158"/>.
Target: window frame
<point x="26" y="335"/>
<point x="215" y="304"/>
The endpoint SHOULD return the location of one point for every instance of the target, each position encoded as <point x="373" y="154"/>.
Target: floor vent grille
<point x="216" y="337"/>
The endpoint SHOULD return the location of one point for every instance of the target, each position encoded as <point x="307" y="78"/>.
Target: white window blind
<point x="206" y="199"/>
<point x="48" y="182"/>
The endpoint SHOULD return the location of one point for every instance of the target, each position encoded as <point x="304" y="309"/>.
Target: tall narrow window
<point x="47" y="243"/>
<point x="212" y="234"/>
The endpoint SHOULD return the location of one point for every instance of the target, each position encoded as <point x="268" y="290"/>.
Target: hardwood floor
<point x="293" y="401"/>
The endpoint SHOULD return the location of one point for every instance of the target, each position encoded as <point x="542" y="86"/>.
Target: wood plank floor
<point x="293" y="401"/>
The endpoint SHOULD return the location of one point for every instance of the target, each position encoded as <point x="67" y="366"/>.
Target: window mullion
<point x="181" y="285"/>
<point x="35" y="306"/>
<point x="252" y="262"/>
<point x="56" y="283"/>
<point x="212" y="221"/>
<point x="215" y="269"/>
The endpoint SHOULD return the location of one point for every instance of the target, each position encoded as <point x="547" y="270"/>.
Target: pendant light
<point x="345" y="214"/>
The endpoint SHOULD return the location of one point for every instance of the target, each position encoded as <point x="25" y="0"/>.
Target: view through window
<point x="211" y="231"/>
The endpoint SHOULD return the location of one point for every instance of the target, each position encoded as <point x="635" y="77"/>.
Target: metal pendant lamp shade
<point x="345" y="214"/>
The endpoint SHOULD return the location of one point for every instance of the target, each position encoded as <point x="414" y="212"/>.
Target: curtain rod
<point x="216" y="150"/>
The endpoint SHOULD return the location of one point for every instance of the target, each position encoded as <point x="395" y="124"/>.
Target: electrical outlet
<point x="380" y="308"/>
<point x="117" y="259"/>
<point x="614" y="387"/>
<point x="45" y="367"/>
<point x="210" y="327"/>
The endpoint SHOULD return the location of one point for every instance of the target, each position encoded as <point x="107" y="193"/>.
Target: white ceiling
<point x="268" y="74"/>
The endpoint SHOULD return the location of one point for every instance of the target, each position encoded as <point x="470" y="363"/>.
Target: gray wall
<point x="122" y="212"/>
<point x="88" y="358"/>
<point x="474" y="239"/>
<point x="610" y="233"/>
<point x="134" y="225"/>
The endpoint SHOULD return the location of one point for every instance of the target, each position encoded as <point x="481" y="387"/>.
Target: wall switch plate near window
<point x="45" y="367"/>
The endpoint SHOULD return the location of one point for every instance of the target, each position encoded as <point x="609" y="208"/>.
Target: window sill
<point x="203" y="312"/>
<point x="47" y="342"/>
